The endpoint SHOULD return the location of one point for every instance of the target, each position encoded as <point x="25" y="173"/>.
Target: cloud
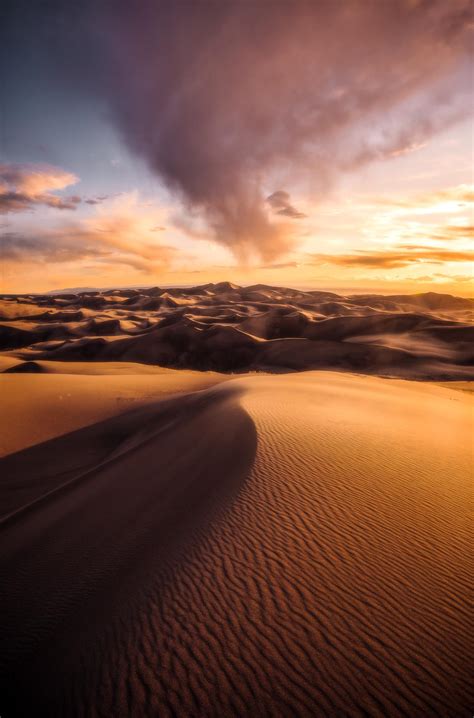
<point x="24" y="186"/>
<point x="116" y="234"/>
<point x="56" y="246"/>
<point x="412" y="147"/>
<point x="420" y="232"/>
<point x="101" y="198"/>
<point x="223" y="98"/>
<point x="393" y="259"/>
<point x="279" y="201"/>
<point x="440" y="276"/>
<point x="280" y="265"/>
<point x="462" y="195"/>
<point x="452" y="232"/>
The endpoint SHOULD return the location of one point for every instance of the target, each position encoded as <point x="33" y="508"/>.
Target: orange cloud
<point x="393" y="259"/>
<point x="454" y="231"/>
<point x="118" y="233"/>
<point x="22" y="186"/>
<point x="463" y="193"/>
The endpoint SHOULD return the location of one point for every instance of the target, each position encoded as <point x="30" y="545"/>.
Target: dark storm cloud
<point x="218" y="96"/>
<point x="225" y="99"/>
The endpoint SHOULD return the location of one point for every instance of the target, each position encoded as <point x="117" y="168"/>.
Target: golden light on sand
<point x="236" y="358"/>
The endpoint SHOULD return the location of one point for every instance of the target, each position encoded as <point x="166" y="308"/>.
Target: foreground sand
<point x="71" y="395"/>
<point x="291" y="545"/>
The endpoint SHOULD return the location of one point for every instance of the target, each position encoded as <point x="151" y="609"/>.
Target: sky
<point x="313" y="143"/>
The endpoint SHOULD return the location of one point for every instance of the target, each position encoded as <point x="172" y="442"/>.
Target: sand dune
<point x="68" y="396"/>
<point x="269" y="546"/>
<point x="226" y="328"/>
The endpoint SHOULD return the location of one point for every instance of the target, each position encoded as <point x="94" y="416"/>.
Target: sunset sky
<point x="308" y="144"/>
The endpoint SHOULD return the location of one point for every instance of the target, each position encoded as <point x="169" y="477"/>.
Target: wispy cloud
<point x="457" y="231"/>
<point x="98" y="199"/>
<point x="408" y="149"/>
<point x="24" y="186"/>
<point x="393" y="259"/>
<point x="54" y="247"/>
<point x="116" y="234"/>
<point x="461" y="195"/>
<point x="280" y="265"/>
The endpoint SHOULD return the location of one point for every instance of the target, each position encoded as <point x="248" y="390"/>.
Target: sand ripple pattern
<point x="324" y="575"/>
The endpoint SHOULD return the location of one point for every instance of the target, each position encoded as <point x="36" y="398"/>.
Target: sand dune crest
<point x="272" y="546"/>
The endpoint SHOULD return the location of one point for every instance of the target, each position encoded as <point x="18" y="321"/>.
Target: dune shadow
<point x="91" y="517"/>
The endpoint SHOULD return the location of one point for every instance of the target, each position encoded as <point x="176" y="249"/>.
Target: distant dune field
<point x="226" y="328"/>
<point x="196" y="544"/>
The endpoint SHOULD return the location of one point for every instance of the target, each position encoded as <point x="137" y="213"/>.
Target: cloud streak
<point x="462" y="195"/>
<point x="452" y="232"/>
<point x="393" y="259"/>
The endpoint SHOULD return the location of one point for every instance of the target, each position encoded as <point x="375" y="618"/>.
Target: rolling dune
<point x="226" y="328"/>
<point x="68" y="395"/>
<point x="268" y="546"/>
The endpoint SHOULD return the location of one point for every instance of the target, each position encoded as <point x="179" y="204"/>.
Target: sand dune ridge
<point x="223" y="327"/>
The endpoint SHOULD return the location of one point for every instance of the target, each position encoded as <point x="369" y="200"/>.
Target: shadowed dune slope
<point x="274" y="546"/>
<point x="60" y="397"/>
<point x="223" y="327"/>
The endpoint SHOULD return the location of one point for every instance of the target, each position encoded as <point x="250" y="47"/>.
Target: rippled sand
<point x="290" y="545"/>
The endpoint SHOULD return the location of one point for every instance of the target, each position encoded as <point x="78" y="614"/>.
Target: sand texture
<point x="226" y="328"/>
<point x="291" y="545"/>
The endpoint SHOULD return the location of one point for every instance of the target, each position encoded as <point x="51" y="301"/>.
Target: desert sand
<point x="71" y="395"/>
<point x="178" y="543"/>
<point x="226" y="328"/>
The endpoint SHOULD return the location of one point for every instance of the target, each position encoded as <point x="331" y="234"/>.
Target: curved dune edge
<point x="181" y="573"/>
<point x="63" y="398"/>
